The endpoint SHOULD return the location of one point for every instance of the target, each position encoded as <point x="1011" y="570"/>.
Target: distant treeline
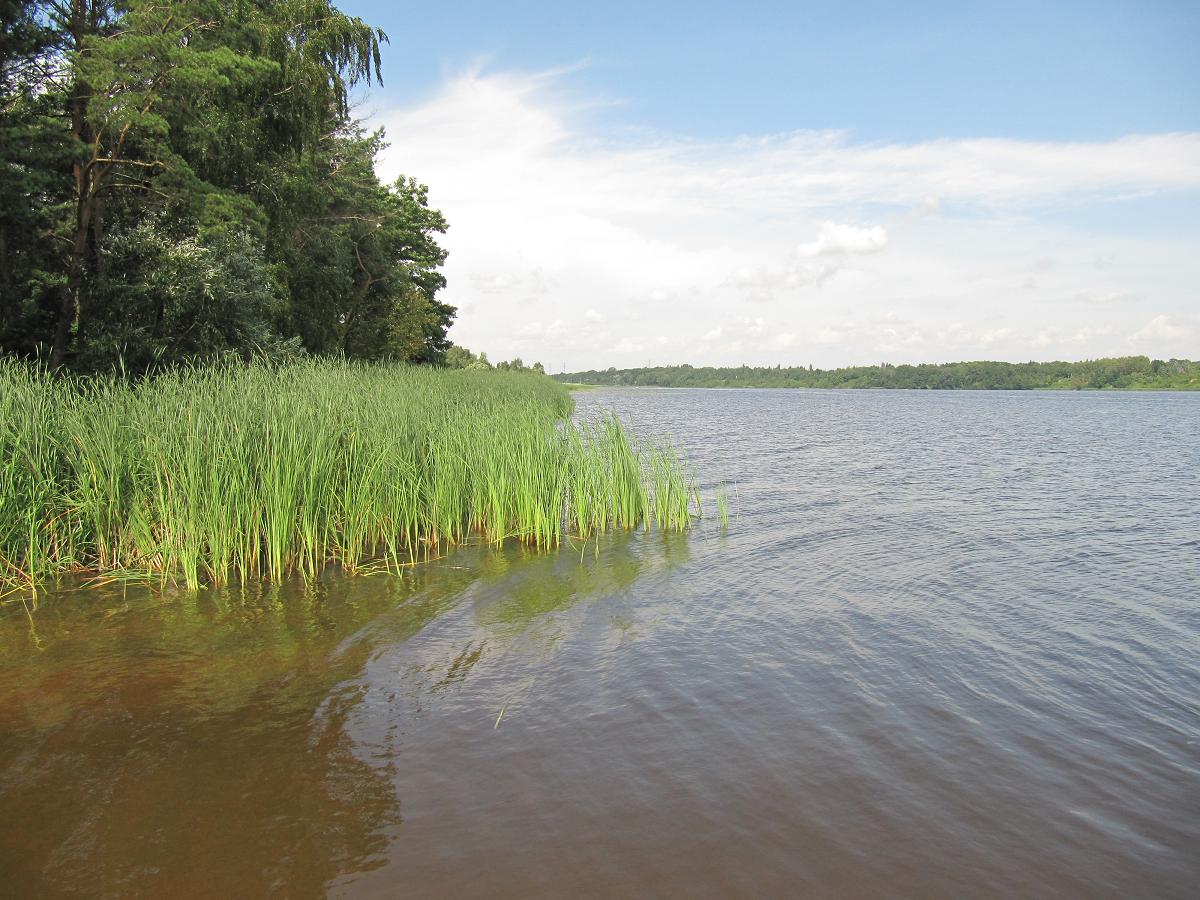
<point x="1122" y="373"/>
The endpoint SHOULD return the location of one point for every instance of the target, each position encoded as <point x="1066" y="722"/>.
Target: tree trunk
<point x="70" y="299"/>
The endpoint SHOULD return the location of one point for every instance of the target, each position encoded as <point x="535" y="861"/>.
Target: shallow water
<point x="949" y="647"/>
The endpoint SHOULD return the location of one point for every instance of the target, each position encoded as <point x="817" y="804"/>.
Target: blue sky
<point x="738" y="161"/>
<point x="888" y="71"/>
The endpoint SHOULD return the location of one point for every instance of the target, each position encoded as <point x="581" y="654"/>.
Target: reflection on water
<point x="198" y="744"/>
<point x="148" y="746"/>
<point x="549" y="583"/>
<point x="949" y="649"/>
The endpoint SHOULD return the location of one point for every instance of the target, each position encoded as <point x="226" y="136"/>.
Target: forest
<point x="1120" y="373"/>
<point x="186" y="181"/>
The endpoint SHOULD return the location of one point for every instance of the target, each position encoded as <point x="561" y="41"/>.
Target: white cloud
<point x="1102" y="297"/>
<point x="627" y="346"/>
<point x="767" y="281"/>
<point x="528" y="283"/>
<point x="552" y="223"/>
<point x="831" y="335"/>
<point x="783" y="340"/>
<point x="959" y="335"/>
<point x="929" y="206"/>
<point x="536" y="330"/>
<point x="755" y="327"/>
<point x="1087" y="335"/>
<point x="835" y="238"/>
<point x="1170" y="329"/>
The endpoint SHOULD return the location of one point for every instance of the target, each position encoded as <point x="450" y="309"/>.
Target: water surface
<point x="950" y="646"/>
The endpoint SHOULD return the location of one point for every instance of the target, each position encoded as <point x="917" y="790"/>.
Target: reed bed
<point x="235" y="472"/>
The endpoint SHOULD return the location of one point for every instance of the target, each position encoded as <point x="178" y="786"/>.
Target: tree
<point x="457" y="357"/>
<point x="171" y="296"/>
<point x="362" y="259"/>
<point x="34" y="152"/>
<point x="122" y="64"/>
<point x="184" y="179"/>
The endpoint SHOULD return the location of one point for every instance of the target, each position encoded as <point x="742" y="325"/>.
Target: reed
<point x="207" y="474"/>
<point x="722" y="503"/>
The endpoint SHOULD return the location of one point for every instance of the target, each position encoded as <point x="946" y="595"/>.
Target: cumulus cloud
<point x="552" y="221"/>
<point x="1171" y="329"/>
<point x="835" y="238"/>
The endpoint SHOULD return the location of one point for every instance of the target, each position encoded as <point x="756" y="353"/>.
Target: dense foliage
<point x="184" y="180"/>
<point x="461" y="358"/>
<point x="1127" y="372"/>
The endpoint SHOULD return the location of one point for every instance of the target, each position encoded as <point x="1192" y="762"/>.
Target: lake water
<point x="949" y="647"/>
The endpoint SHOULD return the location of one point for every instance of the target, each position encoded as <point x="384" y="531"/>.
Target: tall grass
<point x="203" y="475"/>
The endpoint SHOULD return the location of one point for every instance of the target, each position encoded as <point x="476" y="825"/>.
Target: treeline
<point x="182" y="180"/>
<point x="462" y="358"/>
<point x="1121" y="373"/>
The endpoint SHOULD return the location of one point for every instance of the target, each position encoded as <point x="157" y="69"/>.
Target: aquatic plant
<point x="722" y="503"/>
<point x="205" y="474"/>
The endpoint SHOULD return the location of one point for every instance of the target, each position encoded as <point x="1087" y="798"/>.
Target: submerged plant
<point x="202" y="475"/>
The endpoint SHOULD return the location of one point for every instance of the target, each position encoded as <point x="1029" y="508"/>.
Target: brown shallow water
<point x="951" y="647"/>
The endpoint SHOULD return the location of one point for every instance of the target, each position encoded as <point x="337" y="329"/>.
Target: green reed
<point x="202" y="475"/>
<point x="722" y="503"/>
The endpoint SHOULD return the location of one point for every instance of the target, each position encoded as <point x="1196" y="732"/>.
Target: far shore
<point x="1126" y="373"/>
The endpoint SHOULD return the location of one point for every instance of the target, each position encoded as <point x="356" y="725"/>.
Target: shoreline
<point x="580" y="386"/>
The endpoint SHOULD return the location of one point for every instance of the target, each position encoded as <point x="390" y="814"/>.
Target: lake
<point x="948" y="646"/>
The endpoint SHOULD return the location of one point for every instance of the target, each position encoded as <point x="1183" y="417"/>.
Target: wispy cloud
<point x="986" y="246"/>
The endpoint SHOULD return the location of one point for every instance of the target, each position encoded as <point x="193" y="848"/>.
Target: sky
<point x="826" y="184"/>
